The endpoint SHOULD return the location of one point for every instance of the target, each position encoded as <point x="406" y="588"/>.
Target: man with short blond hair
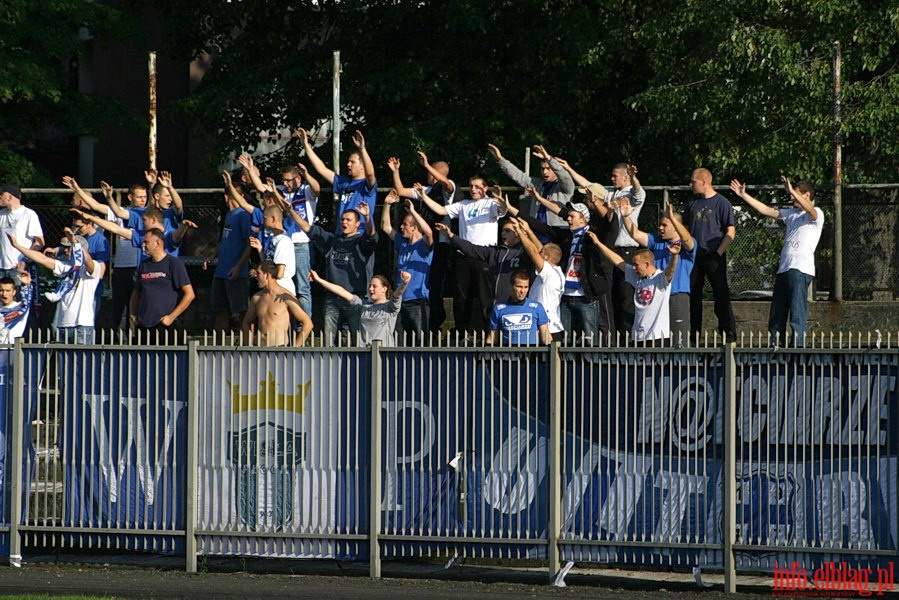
<point x="710" y="219"/>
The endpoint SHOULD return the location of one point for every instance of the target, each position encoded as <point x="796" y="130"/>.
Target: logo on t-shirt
<point x="644" y="296"/>
<point x="519" y="322"/>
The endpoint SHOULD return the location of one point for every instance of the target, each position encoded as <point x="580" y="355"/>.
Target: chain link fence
<point x="870" y="235"/>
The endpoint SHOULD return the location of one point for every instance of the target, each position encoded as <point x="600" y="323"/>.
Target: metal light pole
<point x="837" y="295"/>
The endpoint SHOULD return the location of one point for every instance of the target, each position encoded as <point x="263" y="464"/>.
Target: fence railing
<point x="731" y="457"/>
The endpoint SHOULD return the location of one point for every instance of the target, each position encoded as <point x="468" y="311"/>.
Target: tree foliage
<point x="39" y="45"/>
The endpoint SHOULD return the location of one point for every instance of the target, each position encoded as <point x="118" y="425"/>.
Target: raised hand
<point x="364" y="209"/>
<point x="165" y="178"/>
<point x="422" y="158"/>
<point x="150" y="175"/>
<point x="406" y="277"/>
<point x="738" y="188"/>
<point x="359" y="140"/>
<point x="540" y="152"/>
<point x="392" y="197"/>
<point x="393" y="163"/>
<point x="442" y="228"/>
<point x="494" y="151"/>
<point x="107" y="190"/>
<point x="625" y="206"/>
<point x="70" y="183"/>
<point x="226" y="177"/>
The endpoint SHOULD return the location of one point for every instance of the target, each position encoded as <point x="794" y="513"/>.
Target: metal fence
<point x="732" y="457"/>
<point x="870" y="234"/>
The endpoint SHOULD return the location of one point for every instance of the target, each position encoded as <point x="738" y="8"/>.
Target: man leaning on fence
<point x="162" y="290"/>
<point x="797" y="258"/>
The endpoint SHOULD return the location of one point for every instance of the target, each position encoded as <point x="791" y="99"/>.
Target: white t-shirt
<point x="800" y="240"/>
<point x="126" y="255"/>
<point x="283" y="254"/>
<point x="547" y="290"/>
<point x="24" y="224"/>
<point x="623" y="238"/>
<point x="77" y="306"/>
<point x="651" y="318"/>
<point x="477" y="220"/>
<point x="303" y="192"/>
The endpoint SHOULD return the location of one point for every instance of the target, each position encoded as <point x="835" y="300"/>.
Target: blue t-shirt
<point x="680" y="283"/>
<point x="235" y="234"/>
<point x="171" y="221"/>
<point x="519" y="324"/>
<point x="707" y="219"/>
<point x="415" y="259"/>
<point x="352" y="193"/>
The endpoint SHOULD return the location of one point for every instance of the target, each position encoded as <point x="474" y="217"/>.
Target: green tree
<point x="39" y="42"/>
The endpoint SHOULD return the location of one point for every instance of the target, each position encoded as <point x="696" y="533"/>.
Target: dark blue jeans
<point x="789" y="303"/>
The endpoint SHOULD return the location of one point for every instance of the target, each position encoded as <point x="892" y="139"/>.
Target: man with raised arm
<point x="125" y="257"/>
<point x="478" y="217"/>
<point x="267" y="321"/>
<point x="300" y="190"/>
<point x="165" y="197"/>
<point x="230" y="281"/>
<point x="358" y="186"/>
<point x="549" y="284"/>
<point x="652" y="289"/>
<point x="79" y="277"/>
<point x="709" y="217"/>
<point x="796" y="269"/>
<point x="272" y="244"/>
<point x="443" y="190"/>
<point x="347" y="262"/>
<point x="554" y="183"/>
<point x="152" y="218"/>
<point x="671" y="231"/>
<point x="414" y="249"/>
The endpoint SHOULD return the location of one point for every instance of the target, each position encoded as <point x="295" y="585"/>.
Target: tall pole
<point x="837" y="295"/>
<point x="335" y="118"/>
<point x="151" y="65"/>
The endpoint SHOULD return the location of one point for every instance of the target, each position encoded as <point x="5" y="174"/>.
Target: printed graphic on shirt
<point x="643" y="296"/>
<point x="517" y="322"/>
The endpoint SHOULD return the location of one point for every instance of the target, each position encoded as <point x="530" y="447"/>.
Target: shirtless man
<point x="270" y="310"/>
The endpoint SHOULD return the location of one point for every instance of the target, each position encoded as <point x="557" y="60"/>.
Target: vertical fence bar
<point x="193" y="431"/>
<point x="554" y="448"/>
<point x="374" y="466"/>
<point x="730" y="467"/>
<point x="16" y="455"/>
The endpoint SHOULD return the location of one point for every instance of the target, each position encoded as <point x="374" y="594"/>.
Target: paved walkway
<point x="164" y="577"/>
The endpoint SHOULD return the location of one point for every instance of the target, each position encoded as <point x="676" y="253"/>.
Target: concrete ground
<point x="227" y="578"/>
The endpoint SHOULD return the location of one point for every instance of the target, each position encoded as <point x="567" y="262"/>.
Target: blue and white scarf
<point x="70" y="280"/>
